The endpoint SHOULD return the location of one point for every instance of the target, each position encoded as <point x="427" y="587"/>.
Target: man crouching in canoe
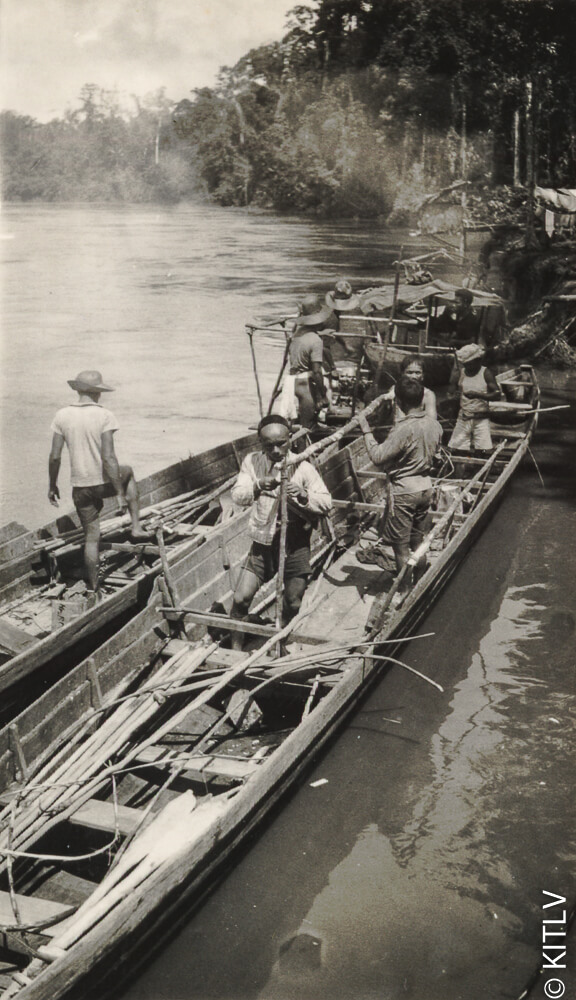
<point x="258" y="487"/>
<point x="87" y="428"/>
<point x="407" y="454"/>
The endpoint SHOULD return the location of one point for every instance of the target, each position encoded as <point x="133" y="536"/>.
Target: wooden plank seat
<point x="201" y="766"/>
<point x="98" y="815"/>
<point x="472" y="460"/>
<point x="357" y="505"/>
<point x="508" y="432"/>
<point x="13" y="639"/>
<point x="233" y="624"/>
<point x="32" y="910"/>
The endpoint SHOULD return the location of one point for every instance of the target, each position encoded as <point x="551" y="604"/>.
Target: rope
<point x="11" y="853"/>
<point x="57" y="857"/>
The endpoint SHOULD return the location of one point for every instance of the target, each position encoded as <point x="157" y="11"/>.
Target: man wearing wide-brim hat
<point x="87" y="429"/>
<point x="342" y="298"/>
<point x="477" y="387"/>
<point x="305" y="381"/>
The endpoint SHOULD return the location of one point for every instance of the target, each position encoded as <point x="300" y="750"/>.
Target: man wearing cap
<point x="258" y="487"/>
<point x="87" y="429"/>
<point x="477" y="387"/>
<point x="306" y="355"/>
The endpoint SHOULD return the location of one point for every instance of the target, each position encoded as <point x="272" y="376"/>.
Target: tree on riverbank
<point x="364" y="108"/>
<point x="97" y="152"/>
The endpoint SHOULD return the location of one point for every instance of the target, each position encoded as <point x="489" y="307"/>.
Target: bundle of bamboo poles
<point x="166" y="512"/>
<point x="70" y="778"/>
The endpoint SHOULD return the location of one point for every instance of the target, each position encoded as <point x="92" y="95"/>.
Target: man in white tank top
<point x="477" y="387"/>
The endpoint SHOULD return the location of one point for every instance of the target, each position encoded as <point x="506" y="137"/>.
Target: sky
<point x="50" y="48"/>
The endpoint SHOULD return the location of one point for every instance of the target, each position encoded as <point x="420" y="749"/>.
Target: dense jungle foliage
<point x="363" y="108"/>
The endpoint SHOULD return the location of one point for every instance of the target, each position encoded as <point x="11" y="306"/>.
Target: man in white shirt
<point x="87" y="429"/>
<point x="258" y="487"/>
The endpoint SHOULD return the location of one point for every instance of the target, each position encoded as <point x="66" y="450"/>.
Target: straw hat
<point x="470" y="352"/>
<point x="89" y="381"/>
<point x="313" y="311"/>
<point x="342" y="297"/>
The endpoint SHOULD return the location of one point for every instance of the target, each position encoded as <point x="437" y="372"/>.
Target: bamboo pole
<point x="325" y="443"/>
<point x="276" y="388"/>
<point x="250" y="332"/>
<point x="61" y="801"/>
<point x="283" y="509"/>
<point x="395" y="292"/>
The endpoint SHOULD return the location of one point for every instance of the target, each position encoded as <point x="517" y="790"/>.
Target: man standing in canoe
<point x="305" y="381"/>
<point x="407" y="454"/>
<point x="87" y="429"/>
<point x="258" y="487"/>
<point x="477" y="387"/>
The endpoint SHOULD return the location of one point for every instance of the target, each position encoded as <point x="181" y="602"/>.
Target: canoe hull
<point x="129" y="933"/>
<point x="64" y="647"/>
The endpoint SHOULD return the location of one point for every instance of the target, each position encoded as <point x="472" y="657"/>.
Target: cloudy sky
<point x="50" y="48"/>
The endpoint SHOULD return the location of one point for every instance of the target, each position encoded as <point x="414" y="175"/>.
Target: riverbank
<point x="538" y="284"/>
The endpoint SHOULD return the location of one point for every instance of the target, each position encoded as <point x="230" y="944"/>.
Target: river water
<point x="417" y="868"/>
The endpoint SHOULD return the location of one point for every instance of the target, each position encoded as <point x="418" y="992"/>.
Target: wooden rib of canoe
<point x="128" y="784"/>
<point x="45" y="613"/>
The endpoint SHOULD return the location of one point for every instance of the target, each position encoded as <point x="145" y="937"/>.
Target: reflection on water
<point x="399" y="913"/>
<point x="371" y="933"/>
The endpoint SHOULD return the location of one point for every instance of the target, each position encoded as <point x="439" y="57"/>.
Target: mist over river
<point x="417" y="869"/>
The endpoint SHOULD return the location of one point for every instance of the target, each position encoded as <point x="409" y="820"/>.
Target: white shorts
<point x="471" y="434"/>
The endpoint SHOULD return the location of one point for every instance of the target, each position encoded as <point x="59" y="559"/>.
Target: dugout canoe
<point x="367" y="350"/>
<point x="46" y="621"/>
<point x="127" y="786"/>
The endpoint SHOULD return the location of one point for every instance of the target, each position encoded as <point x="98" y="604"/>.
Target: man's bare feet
<point x="140" y="536"/>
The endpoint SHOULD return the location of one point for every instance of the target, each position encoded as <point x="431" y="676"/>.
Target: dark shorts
<point x="409" y="520"/>
<point x="262" y="560"/>
<point x="89" y="500"/>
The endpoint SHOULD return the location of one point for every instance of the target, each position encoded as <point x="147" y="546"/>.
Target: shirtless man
<point x="87" y="429"/>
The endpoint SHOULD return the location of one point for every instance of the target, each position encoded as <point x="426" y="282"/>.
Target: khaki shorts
<point x="471" y="434"/>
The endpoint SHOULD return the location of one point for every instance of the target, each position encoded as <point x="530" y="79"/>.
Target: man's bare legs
<point x="248" y="584"/>
<point x="91" y="554"/>
<point x="132" y="499"/>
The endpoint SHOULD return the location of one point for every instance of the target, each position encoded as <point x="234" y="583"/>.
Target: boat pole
<point x="250" y="332"/>
<point x="276" y="389"/>
<point x="396" y="286"/>
<point x="282" y="550"/>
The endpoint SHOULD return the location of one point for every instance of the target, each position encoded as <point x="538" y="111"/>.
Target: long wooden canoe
<point x="46" y="620"/>
<point x="128" y="784"/>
